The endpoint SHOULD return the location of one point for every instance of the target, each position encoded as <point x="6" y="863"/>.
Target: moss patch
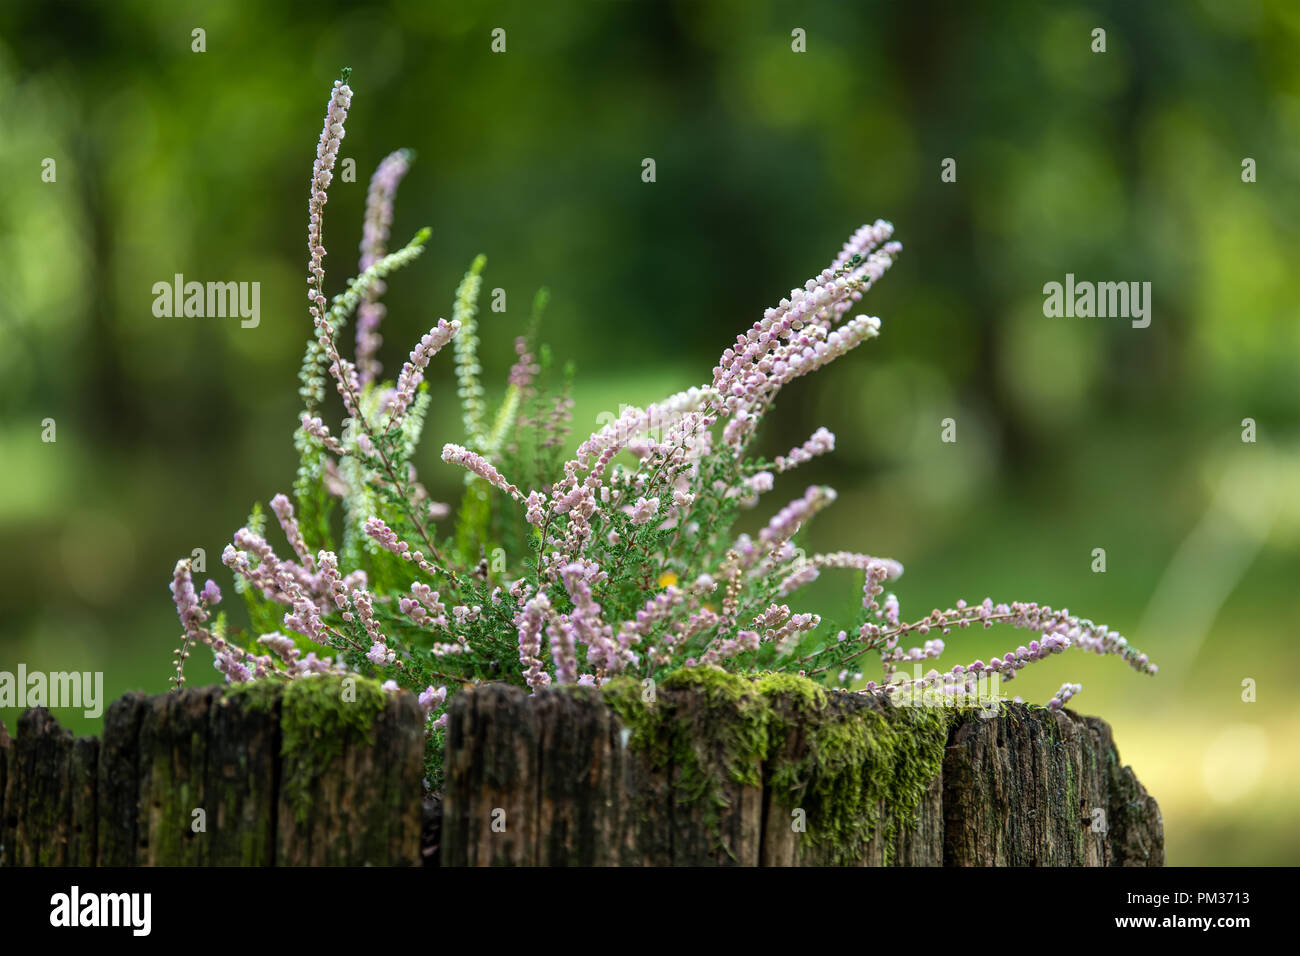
<point x="713" y="734"/>
<point x="319" y="717"/>
<point x="856" y="766"/>
<point x="859" y="767"/>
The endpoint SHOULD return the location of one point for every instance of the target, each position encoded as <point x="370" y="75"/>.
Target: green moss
<point x="319" y="717"/>
<point x="921" y="738"/>
<point x="808" y="693"/>
<point x="257" y="695"/>
<point x="721" y="736"/>
<point x="859" y="767"/>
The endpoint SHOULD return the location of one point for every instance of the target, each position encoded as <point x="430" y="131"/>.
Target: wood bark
<point x="195" y="779"/>
<point x="554" y="779"/>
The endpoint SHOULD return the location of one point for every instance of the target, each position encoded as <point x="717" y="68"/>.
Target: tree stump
<point x="704" y="769"/>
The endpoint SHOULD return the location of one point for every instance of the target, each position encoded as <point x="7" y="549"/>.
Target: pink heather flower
<point x="858" y="562"/>
<point x="1059" y="630"/>
<point x="235" y="670"/>
<point x="749" y="489"/>
<point x="305" y="617"/>
<point x="644" y="510"/>
<point x="821" y="442"/>
<point x="832" y="289"/>
<point x="745" y="547"/>
<point x="317" y="429"/>
<point x="413" y="371"/>
<point x="777" y="625"/>
<point x="211" y="593"/>
<point x="464" y="614"/>
<point x="1063" y="695"/>
<point x="458" y="455"/>
<point x="635" y="421"/>
<point x="729" y="647"/>
<point x="424" y="608"/>
<point x="363" y="603"/>
<point x="348" y="386"/>
<point x="800" y="577"/>
<point x="189" y="609"/>
<point x="652" y="615"/>
<point x="380" y="655"/>
<point x="284" y="513"/>
<point x="525" y="368"/>
<point x="374" y="243"/>
<point x="386" y="538"/>
<point x="331" y="136"/>
<point x="589" y="626"/>
<point x="800" y="334"/>
<point x="333" y="587"/>
<point x="788" y="520"/>
<point x="536" y="514"/>
<point x="530" y="620"/>
<point x="283" y="646"/>
<point x="390" y="686"/>
<point x="311" y="664"/>
<point x="564" y="642"/>
<point x="432" y="698"/>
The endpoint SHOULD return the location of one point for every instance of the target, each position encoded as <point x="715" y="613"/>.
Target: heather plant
<point x="623" y="560"/>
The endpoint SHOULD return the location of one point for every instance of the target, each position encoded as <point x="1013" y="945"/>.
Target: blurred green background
<point x="1073" y="434"/>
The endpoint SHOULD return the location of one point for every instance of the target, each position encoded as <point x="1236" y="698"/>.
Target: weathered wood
<point x="1027" y="787"/>
<point x="1032" y="787"/>
<point x="198" y="778"/>
<point x="717" y="795"/>
<point x="362" y="806"/>
<point x="49" y="794"/>
<point x="490" y="802"/>
<point x="1135" y="829"/>
<point x="8" y="810"/>
<point x="117" y="790"/>
<point x="243" y="764"/>
<point x="173" y="748"/>
<point x="701" y="771"/>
